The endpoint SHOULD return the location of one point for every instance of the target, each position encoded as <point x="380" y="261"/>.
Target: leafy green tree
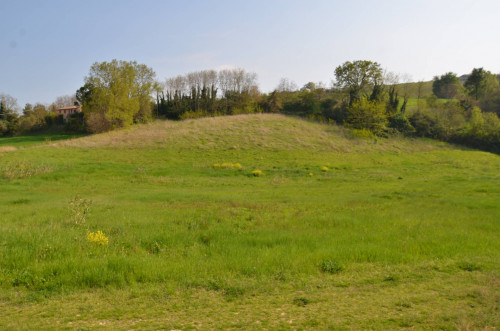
<point x="116" y="94"/>
<point x="475" y="82"/>
<point x="489" y="93"/>
<point x="446" y="86"/>
<point x="34" y="117"/>
<point x="359" y="78"/>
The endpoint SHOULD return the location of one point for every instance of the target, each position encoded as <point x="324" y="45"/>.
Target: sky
<point x="47" y="47"/>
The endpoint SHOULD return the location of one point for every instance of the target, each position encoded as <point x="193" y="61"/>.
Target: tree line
<point x="363" y="97"/>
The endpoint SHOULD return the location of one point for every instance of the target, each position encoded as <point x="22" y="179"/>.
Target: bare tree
<point x="9" y="103"/>
<point x="286" y="85"/>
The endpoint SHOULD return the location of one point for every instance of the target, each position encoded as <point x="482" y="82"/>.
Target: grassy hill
<point x="337" y="232"/>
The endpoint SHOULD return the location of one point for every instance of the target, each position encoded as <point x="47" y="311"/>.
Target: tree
<point x="475" y="81"/>
<point x="116" y="94"/>
<point x="286" y="85"/>
<point x="9" y="103"/>
<point x="8" y="115"/>
<point x="446" y="86"/>
<point x="358" y="78"/>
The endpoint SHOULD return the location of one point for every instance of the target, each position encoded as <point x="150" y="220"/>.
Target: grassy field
<point x="337" y="232"/>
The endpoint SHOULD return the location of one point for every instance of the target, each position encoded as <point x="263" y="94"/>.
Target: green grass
<point x="414" y="102"/>
<point x="35" y="139"/>
<point x="397" y="233"/>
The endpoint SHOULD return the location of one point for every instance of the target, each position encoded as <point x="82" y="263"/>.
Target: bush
<point x="97" y="123"/>
<point x="401" y="123"/>
<point x="369" y="115"/>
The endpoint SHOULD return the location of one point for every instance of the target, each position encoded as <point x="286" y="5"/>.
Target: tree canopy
<point x="359" y="77"/>
<point x="116" y="94"/>
<point x="446" y="86"/>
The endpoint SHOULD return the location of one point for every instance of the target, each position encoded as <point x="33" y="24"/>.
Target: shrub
<point x="369" y="115"/>
<point x="401" y="123"/>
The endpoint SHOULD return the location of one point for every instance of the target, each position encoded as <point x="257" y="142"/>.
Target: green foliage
<point x="475" y="82"/>
<point x="450" y="122"/>
<point x="211" y="93"/>
<point x="360" y="78"/>
<point x="116" y="94"/>
<point x="401" y="123"/>
<point x="365" y="114"/>
<point x="9" y="123"/>
<point x="393" y="102"/>
<point x="446" y="86"/>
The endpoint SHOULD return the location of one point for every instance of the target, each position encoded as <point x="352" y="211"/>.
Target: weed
<point x="391" y="278"/>
<point x="301" y="301"/>
<point x="79" y="209"/>
<point x="331" y="267"/>
<point x="20" y="201"/>
<point x="469" y="266"/>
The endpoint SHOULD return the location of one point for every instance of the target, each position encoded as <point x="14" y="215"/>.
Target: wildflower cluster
<point x="97" y="238"/>
<point x="228" y="165"/>
<point x="257" y="173"/>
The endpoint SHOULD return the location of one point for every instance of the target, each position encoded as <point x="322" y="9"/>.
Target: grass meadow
<point x="157" y="227"/>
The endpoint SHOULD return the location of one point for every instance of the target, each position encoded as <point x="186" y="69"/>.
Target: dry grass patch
<point x="7" y="149"/>
<point x="24" y="169"/>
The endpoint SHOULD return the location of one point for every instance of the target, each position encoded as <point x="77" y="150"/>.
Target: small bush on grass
<point x="331" y="267"/>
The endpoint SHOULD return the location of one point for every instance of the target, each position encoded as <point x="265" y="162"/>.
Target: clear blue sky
<point x="47" y="47"/>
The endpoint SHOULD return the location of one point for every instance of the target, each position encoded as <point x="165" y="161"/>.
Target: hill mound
<point x="248" y="132"/>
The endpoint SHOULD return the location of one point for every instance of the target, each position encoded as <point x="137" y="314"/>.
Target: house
<point x="66" y="112"/>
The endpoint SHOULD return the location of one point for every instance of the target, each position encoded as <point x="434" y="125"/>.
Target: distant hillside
<point x="413" y="89"/>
